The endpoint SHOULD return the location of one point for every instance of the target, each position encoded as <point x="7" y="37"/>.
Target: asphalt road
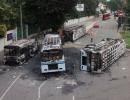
<point x="26" y="83"/>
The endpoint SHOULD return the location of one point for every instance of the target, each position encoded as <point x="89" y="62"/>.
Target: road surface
<point x="26" y="83"/>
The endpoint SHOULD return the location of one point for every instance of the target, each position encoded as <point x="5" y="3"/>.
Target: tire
<point x="20" y="63"/>
<point x="32" y="54"/>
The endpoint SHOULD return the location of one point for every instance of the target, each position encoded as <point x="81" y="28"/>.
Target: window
<point x="11" y="51"/>
<point x="84" y="60"/>
<point x="23" y="50"/>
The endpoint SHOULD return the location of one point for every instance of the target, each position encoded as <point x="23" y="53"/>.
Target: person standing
<point x="119" y="21"/>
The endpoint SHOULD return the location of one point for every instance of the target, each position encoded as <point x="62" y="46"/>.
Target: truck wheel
<point x="20" y="63"/>
<point x="32" y="54"/>
<point x="4" y="62"/>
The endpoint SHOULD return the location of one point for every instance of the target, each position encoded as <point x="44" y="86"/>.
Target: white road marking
<point x="39" y="90"/>
<point x="123" y="68"/>
<point x="59" y="87"/>
<point x="10" y="86"/>
<point x="73" y="98"/>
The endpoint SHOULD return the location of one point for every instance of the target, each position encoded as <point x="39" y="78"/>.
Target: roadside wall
<point x="75" y="21"/>
<point x="8" y="39"/>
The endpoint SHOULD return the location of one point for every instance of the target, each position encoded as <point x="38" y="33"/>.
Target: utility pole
<point x="21" y="19"/>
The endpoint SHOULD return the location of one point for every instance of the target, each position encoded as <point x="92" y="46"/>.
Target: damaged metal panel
<point x="97" y="57"/>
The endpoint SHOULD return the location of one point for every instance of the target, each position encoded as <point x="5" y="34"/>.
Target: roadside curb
<point x="127" y="49"/>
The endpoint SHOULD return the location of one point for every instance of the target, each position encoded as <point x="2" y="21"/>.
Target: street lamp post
<point x="21" y="20"/>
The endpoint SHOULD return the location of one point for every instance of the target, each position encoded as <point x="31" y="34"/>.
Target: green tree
<point x="3" y="30"/>
<point x="48" y="13"/>
<point x="89" y="7"/>
<point x="116" y="4"/>
<point x="127" y="8"/>
<point x="8" y="14"/>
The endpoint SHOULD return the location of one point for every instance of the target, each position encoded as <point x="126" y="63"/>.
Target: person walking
<point x="119" y="21"/>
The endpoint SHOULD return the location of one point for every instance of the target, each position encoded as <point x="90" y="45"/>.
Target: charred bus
<point x="52" y="56"/>
<point x="97" y="57"/>
<point x="20" y="51"/>
<point x="73" y="33"/>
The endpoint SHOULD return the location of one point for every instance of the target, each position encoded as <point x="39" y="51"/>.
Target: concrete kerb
<point x="2" y="43"/>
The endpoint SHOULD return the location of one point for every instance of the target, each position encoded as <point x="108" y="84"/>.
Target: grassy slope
<point x="126" y="37"/>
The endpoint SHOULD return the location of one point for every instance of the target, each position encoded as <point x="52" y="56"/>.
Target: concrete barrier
<point x="75" y="21"/>
<point x="1" y="44"/>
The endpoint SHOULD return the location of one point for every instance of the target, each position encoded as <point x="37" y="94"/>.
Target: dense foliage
<point x="43" y="14"/>
<point x="116" y="4"/>
<point x="48" y="13"/>
<point x="3" y="30"/>
<point x="53" y="13"/>
<point x="8" y="14"/>
<point x="89" y="7"/>
<point x="127" y="7"/>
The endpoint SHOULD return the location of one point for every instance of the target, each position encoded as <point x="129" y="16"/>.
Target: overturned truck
<point x="73" y="33"/>
<point x="98" y="57"/>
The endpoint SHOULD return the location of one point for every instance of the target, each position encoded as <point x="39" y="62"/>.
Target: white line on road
<point x="123" y="68"/>
<point x="73" y="98"/>
<point x="39" y="90"/>
<point x="10" y="86"/>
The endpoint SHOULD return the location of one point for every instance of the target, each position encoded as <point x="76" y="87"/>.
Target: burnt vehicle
<point x="73" y="33"/>
<point x="106" y="16"/>
<point x="98" y="57"/>
<point x="20" y="51"/>
<point x="52" y="56"/>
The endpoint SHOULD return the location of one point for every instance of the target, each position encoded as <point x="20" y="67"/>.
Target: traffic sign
<point x="80" y="7"/>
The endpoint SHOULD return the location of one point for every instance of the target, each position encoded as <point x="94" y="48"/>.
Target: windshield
<point x="49" y="55"/>
<point x="11" y="51"/>
<point x="52" y="40"/>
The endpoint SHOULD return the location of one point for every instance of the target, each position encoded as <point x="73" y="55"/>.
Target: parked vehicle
<point x="20" y="51"/>
<point x="52" y="56"/>
<point x="119" y="13"/>
<point x="106" y="16"/>
<point x="97" y="57"/>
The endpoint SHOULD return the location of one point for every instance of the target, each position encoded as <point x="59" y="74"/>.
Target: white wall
<point x="75" y="21"/>
<point x="3" y="41"/>
<point x="1" y="44"/>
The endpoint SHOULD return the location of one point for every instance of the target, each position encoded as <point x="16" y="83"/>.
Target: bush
<point x="3" y="30"/>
